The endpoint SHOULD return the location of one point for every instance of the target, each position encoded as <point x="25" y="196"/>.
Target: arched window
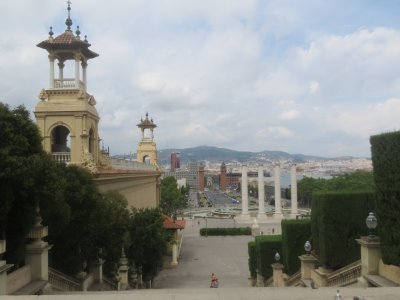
<point x="91" y="141"/>
<point x="146" y="159"/>
<point x="60" y="139"/>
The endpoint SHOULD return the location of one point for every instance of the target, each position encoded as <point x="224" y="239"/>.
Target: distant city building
<point x="223" y="179"/>
<point x="191" y="174"/>
<point x="175" y="161"/>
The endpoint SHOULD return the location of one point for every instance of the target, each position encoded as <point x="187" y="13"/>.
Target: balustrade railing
<point x="109" y="284"/>
<point x="345" y="275"/>
<point x="294" y="279"/>
<point x="63" y="282"/>
<point x="131" y="165"/>
<point x="68" y="83"/>
<point x="61" y="156"/>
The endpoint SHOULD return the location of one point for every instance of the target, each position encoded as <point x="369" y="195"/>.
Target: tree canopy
<point x="172" y="198"/>
<point x="20" y="150"/>
<point x="358" y="180"/>
<point x="148" y="241"/>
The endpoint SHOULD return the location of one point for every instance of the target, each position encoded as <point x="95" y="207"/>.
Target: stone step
<point x="380" y="281"/>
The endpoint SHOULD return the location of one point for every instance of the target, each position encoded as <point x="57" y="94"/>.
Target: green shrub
<point x="385" y="150"/>
<point x="266" y="247"/>
<point x="294" y="235"/>
<point x="225" y="231"/>
<point x="337" y="219"/>
<point x="252" y="259"/>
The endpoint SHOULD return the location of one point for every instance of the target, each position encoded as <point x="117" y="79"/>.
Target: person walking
<point x="214" y="281"/>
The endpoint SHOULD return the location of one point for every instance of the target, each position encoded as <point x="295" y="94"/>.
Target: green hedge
<point x="225" y="231"/>
<point x="337" y="219"/>
<point x="294" y="235"/>
<point x="266" y="247"/>
<point x="385" y="150"/>
<point x="252" y="259"/>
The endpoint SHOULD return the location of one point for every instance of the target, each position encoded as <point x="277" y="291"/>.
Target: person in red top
<point x="214" y="281"/>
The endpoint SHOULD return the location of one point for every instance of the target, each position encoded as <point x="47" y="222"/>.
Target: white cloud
<point x="274" y="132"/>
<point x="289" y="115"/>
<point x="313" y="87"/>
<point x="372" y="119"/>
<point x="214" y="72"/>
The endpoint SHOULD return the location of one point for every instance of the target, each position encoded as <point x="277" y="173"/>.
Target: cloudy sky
<point x="302" y="76"/>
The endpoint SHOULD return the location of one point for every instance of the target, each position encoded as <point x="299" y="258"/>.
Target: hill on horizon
<point x="216" y="155"/>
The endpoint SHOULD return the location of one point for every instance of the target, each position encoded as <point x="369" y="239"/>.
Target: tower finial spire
<point x="68" y="21"/>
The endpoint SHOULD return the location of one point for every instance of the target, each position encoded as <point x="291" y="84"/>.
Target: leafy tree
<point x="20" y="148"/>
<point x="93" y="221"/>
<point x="148" y="241"/>
<point x="358" y="180"/>
<point x="80" y="219"/>
<point x="172" y="199"/>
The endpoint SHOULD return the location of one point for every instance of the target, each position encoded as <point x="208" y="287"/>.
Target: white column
<point x="51" y="58"/>
<point x="293" y="176"/>
<point x="261" y="194"/>
<point x="84" y="68"/>
<point x="61" y="70"/>
<point x="277" y="180"/>
<point x="245" y="196"/>
<point x="77" y="58"/>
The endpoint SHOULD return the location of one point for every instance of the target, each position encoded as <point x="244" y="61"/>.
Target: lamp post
<point x="307" y="247"/>
<point x="371" y="222"/>
<point x="277" y="257"/>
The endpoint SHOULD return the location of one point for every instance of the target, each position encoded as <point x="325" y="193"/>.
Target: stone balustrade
<point x="344" y="276"/>
<point x="294" y="279"/>
<point x="63" y="282"/>
<point x="68" y="83"/>
<point x="131" y="165"/>
<point x="61" y="156"/>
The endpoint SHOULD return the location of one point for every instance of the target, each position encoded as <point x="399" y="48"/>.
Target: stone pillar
<point x="37" y="252"/>
<point x="174" y="249"/>
<point x="123" y="270"/>
<point x="51" y="83"/>
<point x="61" y="70"/>
<point x="293" y="175"/>
<point x="278" y="204"/>
<point x="261" y="195"/>
<point x="370" y="254"/>
<point x="97" y="271"/>
<point x="4" y="267"/>
<point x="245" y="196"/>
<point x="77" y="59"/>
<point x="277" y="275"/>
<point x="84" y="74"/>
<point x="255" y="228"/>
<point x="174" y="261"/>
<point x="307" y="265"/>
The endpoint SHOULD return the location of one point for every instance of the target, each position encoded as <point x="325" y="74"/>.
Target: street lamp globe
<point x="307" y="247"/>
<point x="371" y="222"/>
<point x="277" y="257"/>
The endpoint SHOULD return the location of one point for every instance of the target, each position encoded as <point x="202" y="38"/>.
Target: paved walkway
<point x="200" y="256"/>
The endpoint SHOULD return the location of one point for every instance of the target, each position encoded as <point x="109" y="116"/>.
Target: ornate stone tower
<point x="66" y="113"/>
<point x="147" y="149"/>
<point x="223" y="179"/>
<point x="201" y="178"/>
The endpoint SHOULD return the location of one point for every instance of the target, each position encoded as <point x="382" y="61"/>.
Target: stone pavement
<point x="201" y="256"/>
